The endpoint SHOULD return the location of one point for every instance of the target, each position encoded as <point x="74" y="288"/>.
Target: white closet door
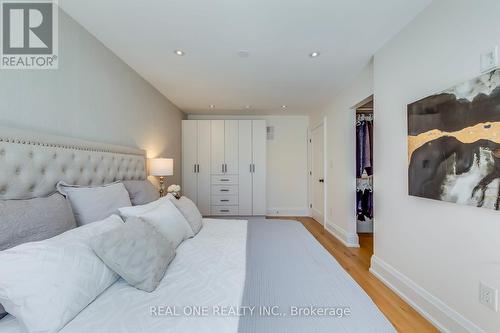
<point x="260" y="166"/>
<point x="245" y="163"/>
<point x="231" y="146"/>
<point x="204" y="174"/>
<point x="189" y="159"/>
<point x="217" y="145"/>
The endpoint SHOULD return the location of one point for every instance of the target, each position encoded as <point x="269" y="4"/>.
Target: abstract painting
<point x="454" y="144"/>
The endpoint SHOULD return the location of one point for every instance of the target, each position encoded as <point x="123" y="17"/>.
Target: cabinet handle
<point x="224" y="180"/>
<point x="225" y="168"/>
<point x="250" y="167"/>
<point x="224" y="190"/>
<point x="198" y="168"/>
<point x="224" y="210"/>
<point x="194" y="168"/>
<point x="222" y="167"/>
<point x="224" y="200"/>
<point x="253" y="167"/>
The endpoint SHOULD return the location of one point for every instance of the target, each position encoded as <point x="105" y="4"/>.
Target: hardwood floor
<point x="356" y="261"/>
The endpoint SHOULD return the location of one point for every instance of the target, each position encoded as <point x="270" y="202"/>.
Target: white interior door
<point x="317" y="176"/>
<point x="217" y="146"/>
<point x="231" y="146"/>
<point x="204" y="173"/>
<point x="259" y="167"/>
<point x="245" y="164"/>
<point x="190" y="159"/>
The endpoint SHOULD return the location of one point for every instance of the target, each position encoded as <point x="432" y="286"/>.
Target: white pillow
<point x="46" y="284"/>
<point x="165" y="217"/>
<point x="92" y="204"/>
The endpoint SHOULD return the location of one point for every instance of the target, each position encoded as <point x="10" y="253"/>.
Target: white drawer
<point x="220" y="200"/>
<point x="224" y="180"/>
<point x="224" y="210"/>
<point x="224" y="189"/>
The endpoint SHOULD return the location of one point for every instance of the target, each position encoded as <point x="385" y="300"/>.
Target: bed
<point x="233" y="276"/>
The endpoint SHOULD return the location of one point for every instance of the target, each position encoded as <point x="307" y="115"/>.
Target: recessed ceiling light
<point x="212" y="106"/>
<point x="179" y="52"/>
<point x="314" y="54"/>
<point x="283" y="106"/>
<point x="248" y="106"/>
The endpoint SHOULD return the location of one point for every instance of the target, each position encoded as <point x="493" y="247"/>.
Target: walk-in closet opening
<point x="364" y="173"/>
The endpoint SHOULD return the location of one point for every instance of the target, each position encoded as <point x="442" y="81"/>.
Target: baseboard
<point x="288" y="211"/>
<point x="432" y="308"/>
<point x="347" y="238"/>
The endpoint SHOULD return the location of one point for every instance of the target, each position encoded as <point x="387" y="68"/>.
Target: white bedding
<point x="207" y="272"/>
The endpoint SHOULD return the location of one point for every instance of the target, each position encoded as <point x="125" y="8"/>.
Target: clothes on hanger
<point x="364" y="167"/>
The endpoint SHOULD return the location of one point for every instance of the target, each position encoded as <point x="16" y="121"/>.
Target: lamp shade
<point x="161" y="167"/>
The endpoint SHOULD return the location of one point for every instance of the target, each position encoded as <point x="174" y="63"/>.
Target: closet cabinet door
<point x="231" y="146"/>
<point x="259" y="168"/>
<point x="245" y="165"/>
<point x="204" y="174"/>
<point x="217" y="146"/>
<point x="189" y="159"/>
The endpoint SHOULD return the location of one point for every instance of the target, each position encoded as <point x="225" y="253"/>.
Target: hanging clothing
<point x="364" y="168"/>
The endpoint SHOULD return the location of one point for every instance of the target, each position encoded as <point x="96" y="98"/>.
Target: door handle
<point x="222" y="167"/>
<point x="194" y="168"/>
<point x="321" y="180"/>
<point x="253" y="167"/>
<point x="197" y="168"/>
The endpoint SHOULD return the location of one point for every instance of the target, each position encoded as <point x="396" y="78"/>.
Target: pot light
<point x="212" y="106"/>
<point x="283" y="106"/>
<point x="179" y="52"/>
<point x="248" y="106"/>
<point x="314" y="54"/>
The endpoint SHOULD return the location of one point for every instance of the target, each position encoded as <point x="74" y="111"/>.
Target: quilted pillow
<point x="141" y="191"/>
<point x="46" y="284"/>
<point x="23" y="221"/>
<point x="137" y="252"/>
<point x="92" y="204"/>
<point x="190" y="212"/>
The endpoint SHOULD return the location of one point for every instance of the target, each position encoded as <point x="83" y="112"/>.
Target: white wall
<point x="341" y="155"/>
<point x="93" y="95"/>
<point x="433" y="252"/>
<point x="286" y="163"/>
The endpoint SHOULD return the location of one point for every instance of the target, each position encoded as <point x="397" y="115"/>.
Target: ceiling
<point x="279" y="35"/>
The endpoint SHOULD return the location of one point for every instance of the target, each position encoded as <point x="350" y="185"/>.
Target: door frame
<point x="322" y="122"/>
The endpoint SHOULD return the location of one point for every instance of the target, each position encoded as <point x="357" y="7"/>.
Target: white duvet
<point x="207" y="275"/>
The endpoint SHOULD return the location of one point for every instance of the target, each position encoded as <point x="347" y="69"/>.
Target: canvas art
<point x="454" y="144"/>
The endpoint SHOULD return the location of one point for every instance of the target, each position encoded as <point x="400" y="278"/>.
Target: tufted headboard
<point x="31" y="164"/>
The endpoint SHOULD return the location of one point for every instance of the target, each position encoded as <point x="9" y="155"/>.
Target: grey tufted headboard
<point x="31" y="164"/>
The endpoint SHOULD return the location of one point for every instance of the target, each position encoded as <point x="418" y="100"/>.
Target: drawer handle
<point x="224" y="180"/>
<point x="225" y="200"/>
<point x="224" y="190"/>
<point x="224" y="210"/>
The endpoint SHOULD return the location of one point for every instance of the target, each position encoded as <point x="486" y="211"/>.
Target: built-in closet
<point x="224" y="166"/>
<point x="364" y="168"/>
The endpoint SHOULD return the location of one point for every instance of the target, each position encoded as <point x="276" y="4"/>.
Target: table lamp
<point x="161" y="167"/>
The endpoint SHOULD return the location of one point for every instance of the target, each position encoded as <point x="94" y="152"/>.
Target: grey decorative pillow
<point x="141" y="192"/>
<point x="137" y="252"/>
<point x="92" y="204"/>
<point x="190" y="212"/>
<point x="23" y="221"/>
<point x="2" y="312"/>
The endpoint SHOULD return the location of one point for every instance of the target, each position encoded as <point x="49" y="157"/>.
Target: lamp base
<point x="162" y="189"/>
